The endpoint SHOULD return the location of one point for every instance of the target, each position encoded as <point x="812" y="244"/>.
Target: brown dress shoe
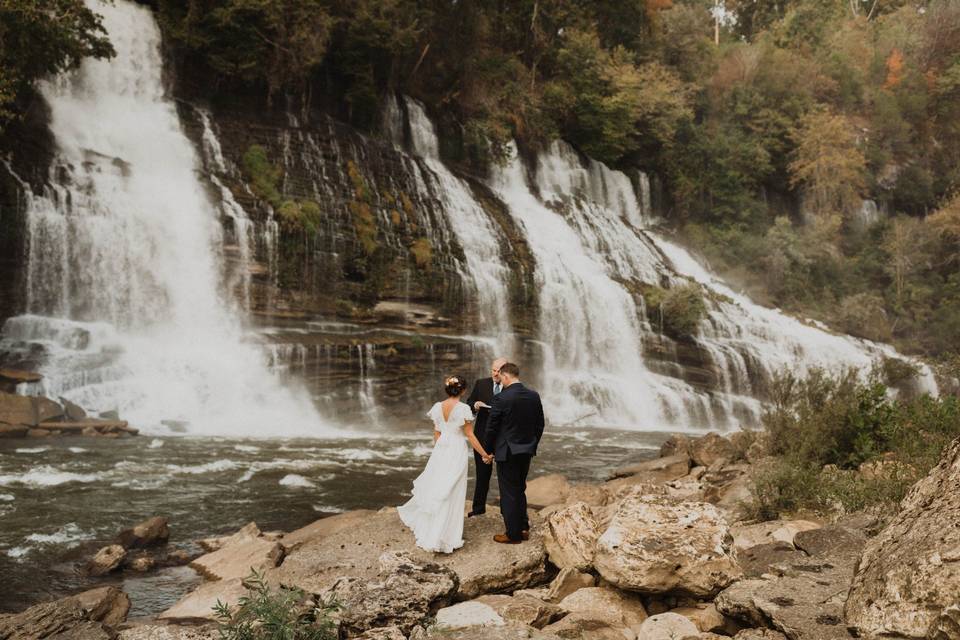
<point x="503" y="539"/>
<point x="525" y="534"/>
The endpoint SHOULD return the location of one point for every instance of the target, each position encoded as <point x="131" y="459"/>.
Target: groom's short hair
<point x="511" y="370"/>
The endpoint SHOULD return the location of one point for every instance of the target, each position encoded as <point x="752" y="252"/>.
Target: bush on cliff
<point x="841" y="442"/>
<point x="677" y="311"/>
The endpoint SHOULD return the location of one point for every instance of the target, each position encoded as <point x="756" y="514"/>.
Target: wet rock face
<point x="909" y="575"/>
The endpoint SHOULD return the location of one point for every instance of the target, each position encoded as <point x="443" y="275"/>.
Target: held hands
<point x="487" y="459"/>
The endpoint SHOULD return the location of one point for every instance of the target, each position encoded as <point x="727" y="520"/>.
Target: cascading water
<point x="476" y="233"/>
<point x="124" y="268"/>
<point x="584" y="228"/>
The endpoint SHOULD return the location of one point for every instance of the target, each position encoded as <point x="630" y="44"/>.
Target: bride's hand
<point x="487" y="459"/>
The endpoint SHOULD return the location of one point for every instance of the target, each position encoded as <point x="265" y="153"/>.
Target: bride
<point x="435" y="512"/>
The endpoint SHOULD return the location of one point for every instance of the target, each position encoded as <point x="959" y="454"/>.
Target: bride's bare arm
<point x="472" y="439"/>
<point x="436" y="436"/>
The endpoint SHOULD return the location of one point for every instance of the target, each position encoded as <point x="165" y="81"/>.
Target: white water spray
<point x="125" y="244"/>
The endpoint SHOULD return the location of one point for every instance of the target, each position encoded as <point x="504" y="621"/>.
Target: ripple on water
<point x="32" y="449"/>
<point x="47" y="476"/>
<point x="296" y="480"/>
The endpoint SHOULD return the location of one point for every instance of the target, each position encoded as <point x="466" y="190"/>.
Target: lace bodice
<point x="459" y="414"/>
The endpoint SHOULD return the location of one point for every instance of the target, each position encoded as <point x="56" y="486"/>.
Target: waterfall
<point x="582" y="224"/>
<point x="124" y="256"/>
<point x="479" y="236"/>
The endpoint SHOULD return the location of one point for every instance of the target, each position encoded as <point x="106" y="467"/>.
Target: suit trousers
<point x="512" y="479"/>
<point x="482" y="486"/>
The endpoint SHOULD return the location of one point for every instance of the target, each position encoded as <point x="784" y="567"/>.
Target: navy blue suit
<point x="514" y="428"/>
<point x="483" y="391"/>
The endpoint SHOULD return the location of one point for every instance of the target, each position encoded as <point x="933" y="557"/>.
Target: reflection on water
<point x="61" y="499"/>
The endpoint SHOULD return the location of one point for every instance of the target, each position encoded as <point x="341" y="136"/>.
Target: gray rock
<point x="523" y="609"/>
<point x="666" y="626"/>
<point x="64" y="619"/>
<point x="152" y="531"/>
<point x="239" y="554"/>
<point x="73" y="411"/>
<point x="108" y="605"/>
<point x="472" y="613"/>
<point x="547" y="490"/>
<point x="655" y="547"/>
<point x="571" y="536"/>
<point x="652" y="471"/>
<point x="708" y="449"/>
<point x="910" y="573"/>
<point x="106" y="560"/>
<point x="169" y="632"/>
<point x="403" y="594"/>
<point x="482" y="566"/>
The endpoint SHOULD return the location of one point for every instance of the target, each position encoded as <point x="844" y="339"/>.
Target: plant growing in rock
<point x="274" y="614"/>
<point x="677" y="311"/>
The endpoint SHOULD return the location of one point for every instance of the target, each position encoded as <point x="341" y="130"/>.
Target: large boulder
<point x="482" y="566"/>
<point x="619" y="608"/>
<point x="522" y="609"/>
<point x="711" y="448"/>
<point x="472" y="613"/>
<point x="64" y="619"/>
<point x="108" y="605"/>
<point x="910" y="573"/>
<point x="150" y="532"/>
<point x="566" y="582"/>
<point x="570" y="537"/>
<point x="587" y="626"/>
<point x="239" y="554"/>
<point x="106" y="560"/>
<point x="667" y="626"/>
<point x="655" y="547"/>
<point x="547" y="490"/>
<point x="677" y="444"/>
<point x="403" y="594"/>
<point x="46" y="409"/>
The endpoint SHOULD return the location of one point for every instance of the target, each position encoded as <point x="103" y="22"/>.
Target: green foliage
<point x="841" y="442"/>
<point x="43" y="37"/>
<point x="274" y="614"/>
<point x="264" y="179"/>
<point x="677" y="311"/>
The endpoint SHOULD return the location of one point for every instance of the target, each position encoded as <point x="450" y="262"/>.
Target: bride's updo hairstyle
<point x="454" y="386"/>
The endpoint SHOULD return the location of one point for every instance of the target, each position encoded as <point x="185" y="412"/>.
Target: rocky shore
<point x="658" y="551"/>
<point x="34" y="416"/>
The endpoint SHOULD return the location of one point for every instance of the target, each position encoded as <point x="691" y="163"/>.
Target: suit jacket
<point x="515" y="423"/>
<point x="482" y="391"/>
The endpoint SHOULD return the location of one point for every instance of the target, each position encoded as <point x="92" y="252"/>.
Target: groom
<point x="514" y="429"/>
<point x="481" y="397"/>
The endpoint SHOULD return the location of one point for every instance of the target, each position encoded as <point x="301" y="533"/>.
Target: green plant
<point x="677" y="311"/>
<point x="274" y="614"/>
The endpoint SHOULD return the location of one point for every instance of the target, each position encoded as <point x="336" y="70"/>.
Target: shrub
<point x="678" y="311"/>
<point x="268" y="614"/>
<point x="822" y="429"/>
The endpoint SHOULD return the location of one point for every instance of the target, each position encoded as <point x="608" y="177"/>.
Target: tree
<point x="828" y="163"/>
<point x="907" y="243"/>
<point x="39" y="38"/>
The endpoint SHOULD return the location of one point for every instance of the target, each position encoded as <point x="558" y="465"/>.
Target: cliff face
<point x="26" y="149"/>
<point x="381" y="245"/>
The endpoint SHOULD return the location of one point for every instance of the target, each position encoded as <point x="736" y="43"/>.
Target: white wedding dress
<point x="435" y="512"/>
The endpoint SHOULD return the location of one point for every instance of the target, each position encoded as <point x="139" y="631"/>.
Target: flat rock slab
<point x="751" y="535"/>
<point x="323" y="528"/>
<point x="482" y="565"/>
<point x="198" y="604"/>
<point x="240" y="554"/>
<point x="64" y="618"/>
<point x="773" y="558"/>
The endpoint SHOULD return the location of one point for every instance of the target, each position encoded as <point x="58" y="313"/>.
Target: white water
<point x="476" y="233"/>
<point x="125" y="271"/>
<point x="583" y="229"/>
